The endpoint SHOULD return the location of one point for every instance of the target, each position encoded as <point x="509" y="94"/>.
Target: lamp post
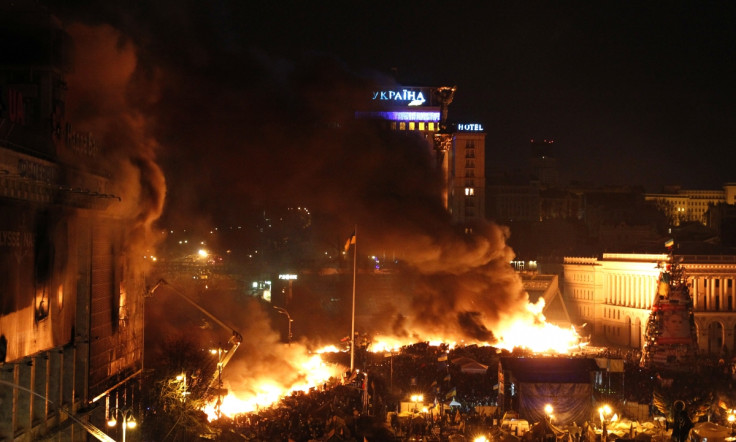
<point x="416" y="398"/>
<point x="126" y="416"/>
<point x="731" y="420"/>
<point x="284" y="312"/>
<point x="604" y="412"/>
<point x="548" y="411"/>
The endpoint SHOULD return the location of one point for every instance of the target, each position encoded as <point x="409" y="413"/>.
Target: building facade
<point x="613" y="296"/>
<point x="71" y="302"/>
<point x="682" y="205"/>
<point x="467" y="181"/>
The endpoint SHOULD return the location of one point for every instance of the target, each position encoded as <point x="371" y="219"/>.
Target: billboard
<point x="674" y="325"/>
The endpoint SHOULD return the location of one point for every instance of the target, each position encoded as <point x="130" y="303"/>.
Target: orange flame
<point x="529" y="330"/>
<point x="532" y="331"/>
<point x="265" y="393"/>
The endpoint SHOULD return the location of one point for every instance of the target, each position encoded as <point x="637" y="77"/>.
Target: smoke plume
<point x="234" y="124"/>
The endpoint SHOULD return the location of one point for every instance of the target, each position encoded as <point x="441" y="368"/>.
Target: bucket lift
<point x="224" y="356"/>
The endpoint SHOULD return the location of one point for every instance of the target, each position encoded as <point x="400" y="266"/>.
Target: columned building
<point x="613" y="296"/>
<point x="682" y="205"/>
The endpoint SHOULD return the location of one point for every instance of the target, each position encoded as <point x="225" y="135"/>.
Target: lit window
<point x="469" y="191"/>
<point x="412" y="126"/>
<point x="431" y="126"/>
<point x="393" y="125"/>
<point x="402" y="126"/>
<point x="421" y="125"/>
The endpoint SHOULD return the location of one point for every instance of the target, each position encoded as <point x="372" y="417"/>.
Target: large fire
<point x="528" y="330"/>
<point x="266" y="392"/>
<point x="533" y="332"/>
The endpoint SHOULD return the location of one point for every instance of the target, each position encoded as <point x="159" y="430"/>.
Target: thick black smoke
<point x="241" y="124"/>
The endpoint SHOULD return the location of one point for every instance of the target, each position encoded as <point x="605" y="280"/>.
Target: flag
<point x="669" y="243"/>
<point x="447" y="378"/>
<point x="451" y="394"/>
<point x="442" y="358"/>
<point x="351" y="240"/>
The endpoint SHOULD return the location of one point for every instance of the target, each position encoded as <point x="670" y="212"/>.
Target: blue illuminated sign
<point x="401" y="116"/>
<point x="415" y="98"/>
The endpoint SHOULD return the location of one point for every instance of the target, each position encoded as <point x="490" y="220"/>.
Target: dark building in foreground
<point x="71" y="323"/>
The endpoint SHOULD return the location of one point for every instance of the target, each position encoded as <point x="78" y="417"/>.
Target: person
<point x="681" y="423"/>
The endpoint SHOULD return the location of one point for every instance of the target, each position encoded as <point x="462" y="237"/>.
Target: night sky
<point x="236" y="95"/>
<point x="632" y="92"/>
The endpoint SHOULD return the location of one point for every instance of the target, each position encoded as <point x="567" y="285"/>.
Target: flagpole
<point x="352" y="326"/>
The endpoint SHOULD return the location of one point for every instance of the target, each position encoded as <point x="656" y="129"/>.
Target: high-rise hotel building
<point x="459" y="148"/>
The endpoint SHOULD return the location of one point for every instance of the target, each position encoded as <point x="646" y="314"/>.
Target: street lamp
<point x="604" y="412"/>
<point x="548" y="411"/>
<point x="416" y="398"/>
<point x="284" y="312"/>
<point x="126" y="416"/>
<point x="731" y="420"/>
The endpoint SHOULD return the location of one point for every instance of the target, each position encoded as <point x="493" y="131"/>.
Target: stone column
<point x="694" y="292"/>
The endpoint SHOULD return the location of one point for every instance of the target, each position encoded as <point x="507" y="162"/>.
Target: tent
<point x="469" y="365"/>
<point x="473" y="368"/>
<point x="462" y="360"/>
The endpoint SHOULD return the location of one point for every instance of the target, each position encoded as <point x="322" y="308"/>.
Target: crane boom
<point x="235" y="340"/>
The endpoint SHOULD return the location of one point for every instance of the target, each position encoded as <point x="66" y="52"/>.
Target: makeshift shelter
<point x="474" y="368"/>
<point x="469" y="365"/>
<point x="462" y="360"/>
<point x="526" y="385"/>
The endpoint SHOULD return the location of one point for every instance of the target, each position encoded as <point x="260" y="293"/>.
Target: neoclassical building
<point x="613" y="296"/>
<point x="683" y="205"/>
